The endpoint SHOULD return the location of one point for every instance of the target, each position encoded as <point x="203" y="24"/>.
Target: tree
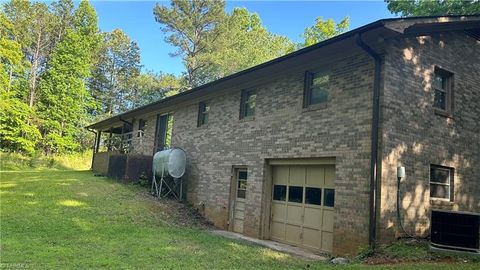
<point x="433" y="7"/>
<point x="243" y="37"/>
<point x="11" y="57"/>
<point x="33" y="23"/>
<point x="191" y="25"/>
<point x="64" y="97"/>
<point x="16" y="131"/>
<point x="150" y="87"/>
<point x="62" y="11"/>
<point x="323" y="30"/>
<point x="208" y="38"/>
<point x="117" y="65"/>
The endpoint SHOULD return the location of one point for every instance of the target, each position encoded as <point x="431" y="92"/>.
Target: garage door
<point x="302" y="206"/>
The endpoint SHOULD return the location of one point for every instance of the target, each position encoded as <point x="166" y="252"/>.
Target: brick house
<point x="304" y="149"/>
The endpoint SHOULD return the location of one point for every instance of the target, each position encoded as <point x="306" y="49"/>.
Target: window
<point x="248" y="102"/>
<point x="313" y="195"/>
<point x="316" y="88"/>
<point x="203" y="110"/>
<point x="242" y="183"/>
<point x="441" y="182"/>
<point x="295" y="194"/>
<point x="141" y="127"/>
<point x="329" y="199"/>
<point x="443" y="90"/>
<point x="279" y="192"/>
<point x="163" y="132"/>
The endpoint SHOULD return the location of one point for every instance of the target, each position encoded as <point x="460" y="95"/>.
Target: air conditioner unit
<point x="455" y="231"/>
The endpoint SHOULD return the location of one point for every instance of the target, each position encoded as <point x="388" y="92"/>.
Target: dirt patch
<point x="176" y="213"/>
<point x="412" y="251"/>
<point x="379" y="260"/>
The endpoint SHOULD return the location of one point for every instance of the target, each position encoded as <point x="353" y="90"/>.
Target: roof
<point x="399" y="26"/>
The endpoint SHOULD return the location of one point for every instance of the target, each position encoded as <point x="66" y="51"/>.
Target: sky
<point x="288" y="18"/>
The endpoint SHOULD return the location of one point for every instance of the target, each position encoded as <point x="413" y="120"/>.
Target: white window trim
<point x="438" y="167"/>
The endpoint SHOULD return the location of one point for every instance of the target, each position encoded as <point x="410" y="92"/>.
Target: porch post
<point x="121" y="139"/>
<point x="109" y="145"/>
<point x="97" y="142"/>
<point x="94" y="149"/>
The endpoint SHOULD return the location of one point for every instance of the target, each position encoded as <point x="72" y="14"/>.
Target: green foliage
<point x="408" y="8"/>
<point x="11" y="56"/>
<point x="34" y="27"/>
<point x="323" y="30"/>
<point x="150" y="87"/>
<point x="208" y="38"/>
<point x="55" y="63"/>
<point x="17" y="129"/>
<point x="65" y="99"/>
<point x="243" y="37"/>
<point x="192" y="28"/>
<point x="118" y="63"/>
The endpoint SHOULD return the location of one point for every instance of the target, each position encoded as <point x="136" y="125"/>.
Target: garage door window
<point x="295" y="194"/>
<point x="279" y="192"/>
<point x="313" y="195"/>
<point x="329" y="197"/>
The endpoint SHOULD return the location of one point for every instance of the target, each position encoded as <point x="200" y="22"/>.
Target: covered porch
<point x="124" y="149"/>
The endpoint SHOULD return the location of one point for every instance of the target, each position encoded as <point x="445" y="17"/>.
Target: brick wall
<point x="145" y="145"/>
<point x="413" y="135"/>
<point x="282" y="129"/>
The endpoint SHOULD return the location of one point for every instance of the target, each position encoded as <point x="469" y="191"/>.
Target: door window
<point x="242" y="183"/>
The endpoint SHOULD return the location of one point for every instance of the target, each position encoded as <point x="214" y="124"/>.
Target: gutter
<point x="349" y="34"/>
<point x="374" y="142"/>
<point x="346" y="35"/>
<point x="125" y="121"/>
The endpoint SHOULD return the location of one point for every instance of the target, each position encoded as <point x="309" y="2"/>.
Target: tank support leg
<point x="181" y="188"/>
<point x="160" y="189"/>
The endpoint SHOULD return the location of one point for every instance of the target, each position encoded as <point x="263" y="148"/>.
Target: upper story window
<point x="316" y="88"/>
<point x="203" y="111"/>
<point x="248" y="102"/>
<point x="443" y="91"/>
<point x="441" y="182"/>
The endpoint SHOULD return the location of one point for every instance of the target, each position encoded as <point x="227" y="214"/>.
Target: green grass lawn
<point x="73" y="220"/>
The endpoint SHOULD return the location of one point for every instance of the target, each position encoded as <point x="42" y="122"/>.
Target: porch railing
<point x="125" y="143"/>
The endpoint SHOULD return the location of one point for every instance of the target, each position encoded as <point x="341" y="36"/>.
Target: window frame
<point x="285" y="188"/>
<point x="142" y="124"/>
<point x="310" y="203"/>
<point x="449" y="91"/>
<point x="202" y="112"/>
<point x="161" y="132"/>
<point x="450" y="185"/>
<point x="308" y="87"/>
<point x="289" y="193"/>
<point x="238" y="180"/>
<point x="245" y="94"/>
<point x="324" y="193"/>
